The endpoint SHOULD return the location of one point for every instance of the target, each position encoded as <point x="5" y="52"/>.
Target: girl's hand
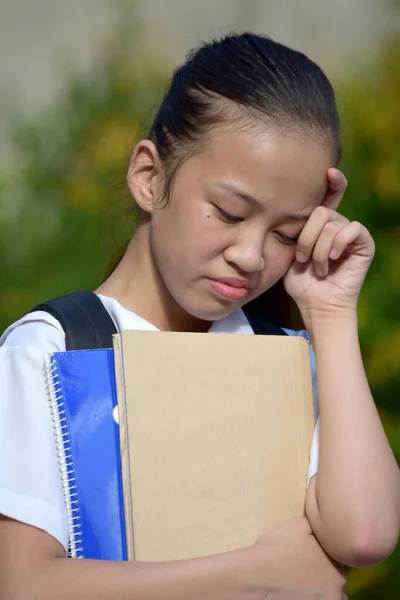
<point x="303" y="569"/>
<point x="332" y="259"/>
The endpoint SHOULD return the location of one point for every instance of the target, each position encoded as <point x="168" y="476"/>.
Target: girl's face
<point x="229" y="230"/>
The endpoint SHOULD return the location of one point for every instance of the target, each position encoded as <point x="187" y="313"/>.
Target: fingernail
<point x="301" y="257"/>
<point x="333" y="254"/>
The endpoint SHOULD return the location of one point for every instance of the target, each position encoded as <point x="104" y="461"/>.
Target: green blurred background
<point x="63" y="198"/>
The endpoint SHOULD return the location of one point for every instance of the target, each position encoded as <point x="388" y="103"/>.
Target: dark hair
<point x="262" y="79"/>
<point x="243" y="79"/>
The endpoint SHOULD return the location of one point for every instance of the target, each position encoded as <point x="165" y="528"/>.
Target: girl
<point x="236" y="187"/>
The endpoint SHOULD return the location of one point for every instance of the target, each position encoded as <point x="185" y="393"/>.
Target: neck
<point x="138" y="286"/>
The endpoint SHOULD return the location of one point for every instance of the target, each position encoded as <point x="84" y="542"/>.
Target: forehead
<point x="271" y="166"/>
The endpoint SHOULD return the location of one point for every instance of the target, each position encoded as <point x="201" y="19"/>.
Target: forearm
<point x="357" y="491"/>
<point x="288" y="562"/>
<point x="215" y="578"/>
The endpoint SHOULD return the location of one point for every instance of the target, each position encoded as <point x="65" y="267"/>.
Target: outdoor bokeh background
<point x="79" y="82"/>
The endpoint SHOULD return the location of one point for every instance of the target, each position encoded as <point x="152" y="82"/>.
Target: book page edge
<point x="124" y="445"/>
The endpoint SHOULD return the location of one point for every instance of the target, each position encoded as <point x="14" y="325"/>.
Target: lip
<point x="231" y="288"/>
<point x="234" y="282"/>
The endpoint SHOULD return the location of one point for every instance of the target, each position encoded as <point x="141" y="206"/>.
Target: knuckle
<point x="341" y="236"/>
<point x="322" y="212"/>
<point x="332" y="226"/>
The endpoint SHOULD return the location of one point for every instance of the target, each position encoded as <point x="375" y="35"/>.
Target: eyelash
<point x="232" y="220"/>
<point x="228" y="218"/>
<point x="285" y="239"/>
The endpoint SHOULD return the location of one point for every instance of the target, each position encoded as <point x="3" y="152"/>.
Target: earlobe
<point x="142" y="174"/>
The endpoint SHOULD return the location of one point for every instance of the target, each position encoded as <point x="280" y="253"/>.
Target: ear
<point x="143" y="175"/>
<point x="337" y="184"/>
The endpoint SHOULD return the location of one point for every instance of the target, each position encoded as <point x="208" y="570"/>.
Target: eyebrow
<point x="231" y="187"/>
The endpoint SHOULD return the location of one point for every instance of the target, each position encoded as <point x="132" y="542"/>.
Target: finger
<point x="348" y="235"/>
<point x="312" y="229"/>
<point x="324" y="246"/>
<point x="337" y="184"/>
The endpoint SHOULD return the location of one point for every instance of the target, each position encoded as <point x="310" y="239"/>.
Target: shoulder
<point x="37" y="330"/>
<point x="25" y="347"/>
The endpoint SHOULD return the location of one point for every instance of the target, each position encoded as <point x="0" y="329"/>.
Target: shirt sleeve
<point x="30" y="483"/>
<point x="314" y="450"/>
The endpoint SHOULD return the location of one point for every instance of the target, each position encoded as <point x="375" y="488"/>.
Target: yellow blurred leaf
<point x="386" y="180"/>
<point x="85" y="193"/>
<point x="111" y="145"/>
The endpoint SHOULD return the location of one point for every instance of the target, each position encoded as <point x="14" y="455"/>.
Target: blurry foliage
<point x="371" y="162"/>
<point x="60" y="212"/>
<point x="56" y="210"/>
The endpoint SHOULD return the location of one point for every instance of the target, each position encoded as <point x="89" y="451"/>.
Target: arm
<point x="353" y="504"/>
<point x="288" y="563"/>
<point x="33" y="565"/>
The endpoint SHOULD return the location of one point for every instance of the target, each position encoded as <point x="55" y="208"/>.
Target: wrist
<point x="224" y="576"/>
<point x="325" y="321"/>
<point x="257" y="572"/>
<point x="332" y="328"/>
<point x="240" y="574"/>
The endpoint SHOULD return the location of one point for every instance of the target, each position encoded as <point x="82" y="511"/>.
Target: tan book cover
<point x="215" y="437"/>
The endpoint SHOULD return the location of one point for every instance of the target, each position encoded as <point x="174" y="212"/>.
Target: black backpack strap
<point x="88" y="325"/>
<point x="262" y="327"/>
<point x="85" y="320"/>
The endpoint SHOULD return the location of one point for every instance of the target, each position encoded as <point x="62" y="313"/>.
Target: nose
<point x="247" y="255"/>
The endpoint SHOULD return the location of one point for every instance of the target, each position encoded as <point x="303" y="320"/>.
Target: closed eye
<point x="227" y="217"/>
<point x="285" y="239"/>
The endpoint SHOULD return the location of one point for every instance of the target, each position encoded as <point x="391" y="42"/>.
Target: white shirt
<point x="30" y="485"/>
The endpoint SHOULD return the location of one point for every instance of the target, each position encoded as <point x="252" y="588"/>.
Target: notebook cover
<point x="82" y="388"/>
<point x="215" y="439"/>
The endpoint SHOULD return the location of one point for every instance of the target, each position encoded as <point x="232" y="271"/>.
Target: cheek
<point x="184" y="240"/>
<point x="203" y="236"/>
<point x="278" y="258"/>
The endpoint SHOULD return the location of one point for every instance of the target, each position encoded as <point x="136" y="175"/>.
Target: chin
<point x="212" y="313"/>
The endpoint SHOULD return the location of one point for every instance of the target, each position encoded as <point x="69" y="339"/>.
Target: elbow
<point x="369" y="547"/>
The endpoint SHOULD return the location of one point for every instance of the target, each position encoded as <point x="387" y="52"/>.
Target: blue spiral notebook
<point x="87" y="438"/>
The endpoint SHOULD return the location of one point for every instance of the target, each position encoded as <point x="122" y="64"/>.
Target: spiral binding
<point x="64" y="456"/>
